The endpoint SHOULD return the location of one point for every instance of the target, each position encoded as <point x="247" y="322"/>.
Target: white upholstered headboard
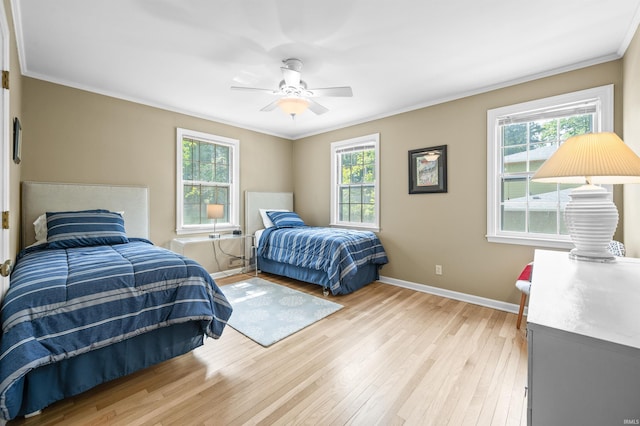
<point x="41" y="197"/>
<point x="254" y="201"/>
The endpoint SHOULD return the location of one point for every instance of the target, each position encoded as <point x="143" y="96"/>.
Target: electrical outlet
<point x="438" y="269"/>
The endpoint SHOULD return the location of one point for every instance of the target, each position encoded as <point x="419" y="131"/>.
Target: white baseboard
<point x="423" y="288"/>
<point x="476" y="300"/>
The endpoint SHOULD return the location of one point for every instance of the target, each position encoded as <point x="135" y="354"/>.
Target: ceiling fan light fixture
<point x="293" y="106"/>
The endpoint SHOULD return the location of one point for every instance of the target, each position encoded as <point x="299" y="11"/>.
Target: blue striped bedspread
<point x="338" y="252"/>
<point x="65" y="302"/>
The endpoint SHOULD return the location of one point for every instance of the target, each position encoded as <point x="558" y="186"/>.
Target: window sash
<point x="215" y="164"/>
<point x="356" y="206"/>
<point x="214" y="194"/>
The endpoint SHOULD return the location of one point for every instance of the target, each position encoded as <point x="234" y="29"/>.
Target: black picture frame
<point x="428" y="170"/>
<point x="17" y="140"/>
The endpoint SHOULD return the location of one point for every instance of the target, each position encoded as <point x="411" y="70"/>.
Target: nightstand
<point x="234" y="250"/>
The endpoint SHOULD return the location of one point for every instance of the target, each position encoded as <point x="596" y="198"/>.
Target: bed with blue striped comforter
<point x="338" y="252"/>
<point x="70" y="301"/>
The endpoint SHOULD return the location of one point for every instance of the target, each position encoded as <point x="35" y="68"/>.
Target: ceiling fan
<point x="294" y="96"/>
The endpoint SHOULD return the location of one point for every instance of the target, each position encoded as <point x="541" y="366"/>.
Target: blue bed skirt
<point x="366" y="274"/>
<point x="53" y="382"/>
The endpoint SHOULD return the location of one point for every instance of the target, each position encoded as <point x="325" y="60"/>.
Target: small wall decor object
<point x="17" y="143"/>
<point x="428" y="170"/>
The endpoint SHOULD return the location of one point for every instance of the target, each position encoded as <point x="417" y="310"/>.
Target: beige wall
<point x="72" y="135"/>
<point x="631" y="72"/>
<point x="422" y="230"/>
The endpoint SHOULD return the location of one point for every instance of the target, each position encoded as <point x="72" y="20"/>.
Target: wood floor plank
<point x="391" y="356"/>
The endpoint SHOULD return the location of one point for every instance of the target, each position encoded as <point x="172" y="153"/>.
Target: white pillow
<point x="40" y="226"/>
<point x="263" y="212"/>
<point x="258" y="235"/>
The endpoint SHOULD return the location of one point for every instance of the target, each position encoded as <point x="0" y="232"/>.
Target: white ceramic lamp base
<point x="591" y="218"/>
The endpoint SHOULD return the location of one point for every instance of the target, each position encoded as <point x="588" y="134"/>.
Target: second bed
<point x="340" y="260"/>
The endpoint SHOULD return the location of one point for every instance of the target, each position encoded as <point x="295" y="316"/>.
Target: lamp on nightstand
<point x="215" y="212"/>
<point x="591" y="216"/>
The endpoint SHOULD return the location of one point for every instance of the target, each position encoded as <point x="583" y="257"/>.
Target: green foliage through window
<point x="206" y="175"/>
<point x="357" y="201"/>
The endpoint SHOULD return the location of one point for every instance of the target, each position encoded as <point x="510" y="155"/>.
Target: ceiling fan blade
<point x="291" y="77"/>
<point x="255" y="89"/>
<point x="271" y="106"/>
<point x="331" y="91"/>
<point x="316" y="107"/>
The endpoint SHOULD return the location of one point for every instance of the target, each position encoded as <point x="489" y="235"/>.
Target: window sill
<point x="531" y="241"/>
<point x="372" y="228"/>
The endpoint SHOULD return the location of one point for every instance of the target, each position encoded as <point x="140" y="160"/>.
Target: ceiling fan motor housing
<point x="300" y="90"/>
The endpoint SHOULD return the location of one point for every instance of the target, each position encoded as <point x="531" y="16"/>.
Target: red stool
<point x="524" y="285"/>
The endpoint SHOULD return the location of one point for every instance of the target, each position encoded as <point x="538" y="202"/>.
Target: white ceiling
<point x="183" y="55"/>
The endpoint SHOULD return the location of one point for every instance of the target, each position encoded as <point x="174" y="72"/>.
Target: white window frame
<point x="340" y="145"/>
<point x="604" y="123"/>
<point x="234" y="188"/>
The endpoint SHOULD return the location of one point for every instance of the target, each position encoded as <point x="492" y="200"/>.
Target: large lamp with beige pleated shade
<point x="591" y="216"/>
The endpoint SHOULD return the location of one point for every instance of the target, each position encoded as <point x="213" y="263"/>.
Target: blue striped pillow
<point x="285" y="219"/>
<point x="85" y="228"/>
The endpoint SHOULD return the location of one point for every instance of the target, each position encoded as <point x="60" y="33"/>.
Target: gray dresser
<point x="584" y="342"/>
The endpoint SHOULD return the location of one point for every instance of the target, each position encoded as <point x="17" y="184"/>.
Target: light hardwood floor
<point x="391" y="356"/>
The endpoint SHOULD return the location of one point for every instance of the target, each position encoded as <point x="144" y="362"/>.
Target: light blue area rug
<point x="266" y="312"/>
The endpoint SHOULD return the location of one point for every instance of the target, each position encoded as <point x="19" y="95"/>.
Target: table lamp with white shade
<point x="591" y="216"/>
<point x="215" y="212"/>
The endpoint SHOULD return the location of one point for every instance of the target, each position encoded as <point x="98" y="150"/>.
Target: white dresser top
<point x="600" y="300"/>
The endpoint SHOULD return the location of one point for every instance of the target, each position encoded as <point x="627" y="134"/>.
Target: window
<point x="519" y="139"/>
<point x="355" y="195"/>
<point x="208" y="173"/>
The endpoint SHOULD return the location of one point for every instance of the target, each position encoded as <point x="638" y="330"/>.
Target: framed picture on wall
<point x="428" y="170"/>
<point x="17" y="142"/>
